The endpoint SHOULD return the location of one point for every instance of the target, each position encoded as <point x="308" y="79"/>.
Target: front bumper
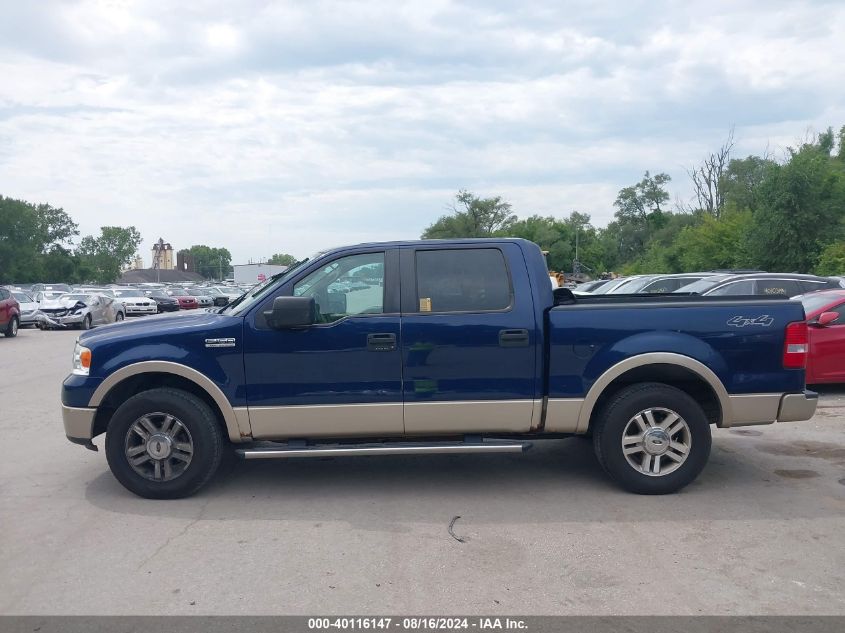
<point x="79" y="425"/>
<point x="50" y="320"/>
<point x="795" y="407"/>
<point x="139" y="310"/>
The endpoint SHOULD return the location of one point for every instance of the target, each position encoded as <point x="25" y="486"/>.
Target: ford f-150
<point x="454" y="346"/>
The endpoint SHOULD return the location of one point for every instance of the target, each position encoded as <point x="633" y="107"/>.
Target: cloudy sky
<point x="291" y="126"/>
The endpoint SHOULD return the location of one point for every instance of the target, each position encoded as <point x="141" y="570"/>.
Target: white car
<point x="135" y="302"/>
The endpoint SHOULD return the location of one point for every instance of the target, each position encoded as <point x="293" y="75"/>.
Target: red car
<point x="186" y="302"/>
<point x="825" y="312"/>
<point x="10" y="313"/>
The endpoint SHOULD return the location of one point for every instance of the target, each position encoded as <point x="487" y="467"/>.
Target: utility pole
<point x="221" y="268"/>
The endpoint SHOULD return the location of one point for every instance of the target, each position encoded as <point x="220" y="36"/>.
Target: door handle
<point x="381" y="342"/>
<point x="513" y="338"/>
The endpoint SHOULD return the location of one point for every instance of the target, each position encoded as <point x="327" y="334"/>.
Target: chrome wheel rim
<point x="158" y="447"/>
<point x="656" y="441"/>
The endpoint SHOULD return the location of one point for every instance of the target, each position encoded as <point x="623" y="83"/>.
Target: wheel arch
<point x="683" y="372"/>
<point x="137" y="377"/>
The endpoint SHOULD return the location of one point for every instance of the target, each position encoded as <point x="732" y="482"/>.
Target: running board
<point x="387" y="448"/>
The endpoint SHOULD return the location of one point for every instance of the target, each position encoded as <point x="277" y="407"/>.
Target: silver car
<point x="29" y="308"/>
<point x="80" y="311"/>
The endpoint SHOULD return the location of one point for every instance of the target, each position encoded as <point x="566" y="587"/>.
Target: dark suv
<point x="788" y="284"/>
<point x="10" y="313"/>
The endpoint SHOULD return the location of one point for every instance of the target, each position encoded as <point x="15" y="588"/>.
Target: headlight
<point x="81" y="360"/>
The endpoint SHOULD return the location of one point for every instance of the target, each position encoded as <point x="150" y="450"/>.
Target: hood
<point x="154" y="326"/>
<point x="27" y="306"/>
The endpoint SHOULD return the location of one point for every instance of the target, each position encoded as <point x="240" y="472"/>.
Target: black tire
<point x="619" y="411"/>
<point x="12" y="328"/>
<point x="118" y="317"/>
<point x="205" y="432"/>
<point x="86" y="323"/>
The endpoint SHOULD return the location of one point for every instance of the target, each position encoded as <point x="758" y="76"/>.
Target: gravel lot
<point x="762" y="531"/>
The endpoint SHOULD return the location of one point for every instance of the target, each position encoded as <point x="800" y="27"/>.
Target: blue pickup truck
<point x="454" y="346"/>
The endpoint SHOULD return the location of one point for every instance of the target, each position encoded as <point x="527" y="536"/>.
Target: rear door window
<point x="462" y="280"/>
<point x="787" y="287"/>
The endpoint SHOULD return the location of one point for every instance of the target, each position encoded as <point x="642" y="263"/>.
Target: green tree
<point x="282" y="259"/>
<point x="210" y="262"/>
<point x="832" y="259"/>
<point x="715" y="244"/>
<point x="640" y="210"/>
<point x="802" y="206"/>
<point x="472" y="217"/>
<point x="102" y="258"/>
<point x="741" y="182"/>
<point x="28" y="233"/>
<point x="551" y="234"/>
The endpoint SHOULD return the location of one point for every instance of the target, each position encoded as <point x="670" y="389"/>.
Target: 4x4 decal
<point x="741" y="321"/>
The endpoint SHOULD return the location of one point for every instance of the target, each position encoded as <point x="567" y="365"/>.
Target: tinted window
<point x="4" y="294"/>
<point x="810" y="286"/>
<point x="462" y="280"/>
<point x="788" y="287"/>
<point x="347" y="286"/>
<point x="736" y="288"/>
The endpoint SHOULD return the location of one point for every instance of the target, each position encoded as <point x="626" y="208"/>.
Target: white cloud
<point x="293" y="126"/>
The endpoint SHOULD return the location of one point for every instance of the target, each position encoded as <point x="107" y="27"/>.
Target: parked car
<point x="28" y="308"/>
<point x="204" y="300"/>
<point x="135" y="301"/>
<point x="186" y="301"/>
<point x="767" y="284"/>
<point x="454" y="346"/>
<point x="82" y="311"/>
<point x="47" y="295"/>
<point x="50" y="287"/>
<point x="10" y="313"/>
<point x="163" y="302"/>
<point x="590" y="286"/>
<point x="656" y="284"/>
<point x="222" y="296"/>
<point x="826" y="319"/>
<point x="613" y="284"/>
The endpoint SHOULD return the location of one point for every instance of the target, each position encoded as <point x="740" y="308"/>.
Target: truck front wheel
<point x="164" y="444"/>
<point x="652" y="438"/>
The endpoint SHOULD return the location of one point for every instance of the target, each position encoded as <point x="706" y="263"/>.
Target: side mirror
<point x="291" y="312"/>
<point x="826" y="318"/>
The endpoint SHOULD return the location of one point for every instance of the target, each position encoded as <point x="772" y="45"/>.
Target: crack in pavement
<point x="170" y="539"/>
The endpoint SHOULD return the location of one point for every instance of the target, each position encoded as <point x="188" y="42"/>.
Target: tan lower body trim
<point x="333" y="420"/>
<point x="476" y="416"/>
<point x="562" y="415"/>
<point x="752" y="409"/>
<point x="78" y="422"/>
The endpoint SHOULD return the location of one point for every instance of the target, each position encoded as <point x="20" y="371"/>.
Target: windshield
<point x="22" y="297"/>
<point x="73" y="297"/>
<point x="611" y="285"/>
<point x="702" y="285"/>
<point x="633" y="286"/>
<point x="246" y="300"/>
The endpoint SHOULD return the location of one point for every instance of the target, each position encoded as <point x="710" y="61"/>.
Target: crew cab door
<point x="468" y="339"/>
<point x="341" y="376"/>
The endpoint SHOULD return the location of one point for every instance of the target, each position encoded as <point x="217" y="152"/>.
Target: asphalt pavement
<point x="762" y="530"/>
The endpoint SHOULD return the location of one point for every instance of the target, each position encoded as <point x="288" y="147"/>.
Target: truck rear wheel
<point x="652" y="438"/>
<point x="164" y="444"/>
